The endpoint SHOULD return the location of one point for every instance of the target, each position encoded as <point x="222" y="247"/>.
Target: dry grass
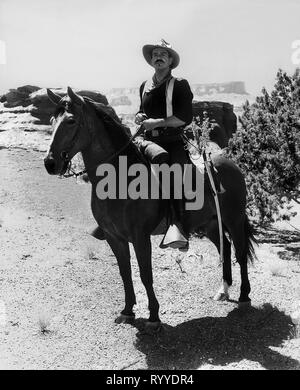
<point x="276" y="268"/>
<point x="295" y="332"/>
<point x="44" y="323"/>
<point x="90" y="252"/>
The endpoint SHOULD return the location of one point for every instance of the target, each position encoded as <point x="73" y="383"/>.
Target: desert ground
<point x="60" y="288"/>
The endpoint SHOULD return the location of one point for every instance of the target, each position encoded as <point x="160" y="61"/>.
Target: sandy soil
<point x="60" y="290"/>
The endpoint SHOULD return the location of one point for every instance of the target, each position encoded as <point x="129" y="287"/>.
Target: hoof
<point x="153" y="327"/>
<point x="124" y="319"/>
<point x="244" y="305"/>
<point x="221" y="297"/>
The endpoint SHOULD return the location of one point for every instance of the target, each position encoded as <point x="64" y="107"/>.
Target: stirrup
<point x="98" y="233"/>
<point x="184" y="248"/>
<point x="174" y="239"/>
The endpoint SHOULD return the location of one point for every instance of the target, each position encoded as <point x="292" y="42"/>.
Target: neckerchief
<point x="153" y="83"/>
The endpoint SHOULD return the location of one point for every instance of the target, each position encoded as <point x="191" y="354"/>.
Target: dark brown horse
<point x="81" y="125"/>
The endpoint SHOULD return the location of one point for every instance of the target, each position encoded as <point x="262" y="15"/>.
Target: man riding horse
<point x="81" y="125"/>
<point x="164" y="113"/>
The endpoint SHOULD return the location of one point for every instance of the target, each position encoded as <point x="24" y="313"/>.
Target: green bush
<point x="266" y="147"/>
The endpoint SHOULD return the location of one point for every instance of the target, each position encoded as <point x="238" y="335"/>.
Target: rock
<point x="28" y="107"/>
<point x="28" y="89"/>
<point x="18" y="97"/>
<point x="237" y="87"/>
<point x="120" y="101"/>
<point x="222" y="118"/>
<point x="96" y="96"/>
<point x="43" y="108"/>
<point x="14" y="98"/>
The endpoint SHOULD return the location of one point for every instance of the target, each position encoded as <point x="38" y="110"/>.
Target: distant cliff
<point x="122" y="100"/>
<point x="237" y="87"/>
<point x="28" y="107"/>
<point x="126" y="101"/>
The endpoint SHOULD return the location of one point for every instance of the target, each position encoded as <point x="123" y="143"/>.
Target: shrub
<point x="266" y="147"/>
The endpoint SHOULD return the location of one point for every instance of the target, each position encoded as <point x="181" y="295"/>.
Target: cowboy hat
<point x="147" y="52"/>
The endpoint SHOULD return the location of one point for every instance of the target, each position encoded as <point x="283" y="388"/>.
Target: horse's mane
<point x="118" y="133"/>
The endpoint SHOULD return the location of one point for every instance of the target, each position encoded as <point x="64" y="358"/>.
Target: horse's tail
<point x="250" y="240"/>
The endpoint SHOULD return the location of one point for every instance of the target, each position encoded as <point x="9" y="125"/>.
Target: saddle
<point x="156" y="154"/>
<point x="173" y="237"/>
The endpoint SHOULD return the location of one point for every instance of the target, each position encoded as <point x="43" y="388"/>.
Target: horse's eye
<point x="71" y="121"/>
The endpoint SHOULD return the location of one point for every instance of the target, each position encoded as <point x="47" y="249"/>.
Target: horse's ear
<point x="77" y="99"/>
<point x="53" y="96"/>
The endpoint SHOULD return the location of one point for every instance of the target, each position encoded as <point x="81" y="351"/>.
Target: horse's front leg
<point x="142" y="247"/>
<point x="120" y="249"/>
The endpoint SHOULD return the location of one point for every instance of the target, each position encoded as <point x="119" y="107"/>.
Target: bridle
<point x="65" y="155"/>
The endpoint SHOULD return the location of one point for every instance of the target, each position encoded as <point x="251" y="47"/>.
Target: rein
<point x="70" y="172"/>
<point x="139" y="131"/>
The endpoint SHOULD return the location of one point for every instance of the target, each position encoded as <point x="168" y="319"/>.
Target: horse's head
<point x="69" y="136"/>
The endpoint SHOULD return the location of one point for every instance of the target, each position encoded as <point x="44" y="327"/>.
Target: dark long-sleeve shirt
<point x="153" y="103"/>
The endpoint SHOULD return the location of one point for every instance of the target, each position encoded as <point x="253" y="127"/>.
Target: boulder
<point x="95" y="95"/>
<point x="14" y="98"/>
<point x="18" y="97"/>
<point x="41" y="106"/>
<point x="45" y="108"/>
<point x="28" y="89"/>
<point x="222" y="118"/>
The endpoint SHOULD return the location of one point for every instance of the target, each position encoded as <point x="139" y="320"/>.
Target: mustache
<point x="159" y="60"/>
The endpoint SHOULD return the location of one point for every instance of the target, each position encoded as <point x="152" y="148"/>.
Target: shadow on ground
<point x="243" y="334"/>
<point x="288" y="240"/>
<point x="277" y="236"/>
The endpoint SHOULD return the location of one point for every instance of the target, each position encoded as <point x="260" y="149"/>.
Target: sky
<point x="97" y="44"/>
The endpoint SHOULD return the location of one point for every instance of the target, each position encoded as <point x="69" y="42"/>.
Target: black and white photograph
<point x="150" y="188"/>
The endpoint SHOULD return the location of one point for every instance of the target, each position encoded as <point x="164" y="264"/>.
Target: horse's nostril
<point x="49" y="165"/>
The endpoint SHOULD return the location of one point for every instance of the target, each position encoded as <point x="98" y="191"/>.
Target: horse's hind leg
<point x="142" y="247"/>
<point x="212" y="232"/>
<point x="239" y="238"/>
<point x="120" y="249"/>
